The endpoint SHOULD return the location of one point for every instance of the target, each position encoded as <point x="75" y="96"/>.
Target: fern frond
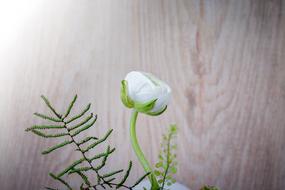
<point x="102" y="185"/>
<point x="112" y="173"/>
<point x="110" y="180"/>
<point x="49" y="188"/>
<point x="86" y="140"/>
<point x="82" y="169"/>
<point x="77" y="167"/>
<point x="140" y="179"/>
<point x="81" y="123"/>
<point x="102" y="154"/>
<point x="70" y="106"/>
<point x="48" y="135"/>
<point x="56" y="147"/>
<point x="47" y="117"/>
<point x="99" y="141"/>
<point x="71" y="167"/>
<point x="45" y="127"/>
<point x="60" y="180"/>
<point x="84" y="127"/>
<point x="126" y="175"/>
<point x="84" y="177"/>
<point x="103" y="162"/>
<point x="79" y="115"/>
<point x="50" y="106"/>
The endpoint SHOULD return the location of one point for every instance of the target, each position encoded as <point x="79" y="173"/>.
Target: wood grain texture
<point x="223" y="59"/>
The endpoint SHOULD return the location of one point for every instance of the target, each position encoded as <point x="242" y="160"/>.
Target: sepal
<point x="145" y="107"/>
<point x="157" y="113"/>
<point x="127" y="101"/>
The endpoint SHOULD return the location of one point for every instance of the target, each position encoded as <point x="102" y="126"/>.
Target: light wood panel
<point x="223" y="59"/>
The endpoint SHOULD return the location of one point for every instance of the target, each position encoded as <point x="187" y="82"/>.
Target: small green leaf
<point x="87" y="126"/>
<point x="173" y="170"/>
<point x="140" y="179"/>
<point x="81" y="123"/>
<point x="145" y="107"/>
<point x="87" y="139"/>
<point x="112" y="173"/>
<point x="70" y="106"/>
<point x="127" y="101"/>
<point x="56" y="147"/>
<point x="157" y="172"/>
<point x="126" y="175"/>
<point x="45" y="127"/>
<point x="98" y="141"/>
<point x="79" y="115"/>
<point x="48" y="135"/>
<point x="101" y="155"/>
<point x="158" y="112"/>
<point x="160" y="181"/>
<point x="50" y="106"/>
<point x="70" y="167"/>
<point x="61" y="180"/>
<point x="48" y="117"/>
<point x="159" y="164"/>
<point x="82" y="169"/>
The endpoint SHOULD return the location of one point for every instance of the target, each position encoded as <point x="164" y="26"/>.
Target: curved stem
<point x="146" y="166"/>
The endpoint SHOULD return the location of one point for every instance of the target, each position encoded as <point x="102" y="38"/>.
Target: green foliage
<point x="78" y="167"/>
<point x="167" y="165"/>
<point x="209" y="188"/>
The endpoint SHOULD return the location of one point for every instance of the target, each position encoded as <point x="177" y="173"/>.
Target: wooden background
<point x="225" y="61"/>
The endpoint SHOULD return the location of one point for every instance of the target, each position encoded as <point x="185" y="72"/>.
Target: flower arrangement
<point x="141" y="92"/>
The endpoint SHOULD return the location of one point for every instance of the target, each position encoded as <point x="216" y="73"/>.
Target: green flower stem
<point x="146" y="166"/>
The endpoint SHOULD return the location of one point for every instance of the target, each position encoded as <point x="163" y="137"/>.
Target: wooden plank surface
<point x="223" y="59"/>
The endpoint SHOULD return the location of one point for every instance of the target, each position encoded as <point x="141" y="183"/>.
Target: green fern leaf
<point x="60" y="180"/>
<point x="126" y="175"/>
<point x="82" y="169"/>
<point x="71" y="131"/>
<point x="99" y="141"/>
<point x="56" y="147"/>
<point x="110" y="180"/>
<point x="49" y="188"/>
<point x="47" y="117"/>
<point x="79" y="115"/>
<point x="71" y="167"/>
<point x="50" y="107"/>
<point x="70" y="106"/>
<point x="84" y="177"/>
<point x="87" y="139"/>
<point x="48" y="135"/>
<point x="102" y="155"/>
<point x="103" y="160"/>
<point x="45" y="127"/>
<point x="112" y="173"/>
<point x="140" y="179"/>
<point x="84" y="127"/>
<point x="81" y="123"/>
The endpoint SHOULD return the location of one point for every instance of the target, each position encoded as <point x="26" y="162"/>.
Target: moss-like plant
<point x="64" y="126"/>
<point x="167" y="164"/>
<point x="209" y="188"/>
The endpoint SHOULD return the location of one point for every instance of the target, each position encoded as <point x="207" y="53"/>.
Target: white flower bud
<point x="145" y="93"/>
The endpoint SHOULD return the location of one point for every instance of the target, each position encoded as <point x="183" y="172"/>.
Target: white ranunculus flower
<point x="145" y="93"/>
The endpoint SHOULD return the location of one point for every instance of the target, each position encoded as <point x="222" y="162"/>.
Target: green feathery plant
<point x="63" y="127"/>
<point x="209" y="188"/>
<point x="167" y="165"/>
